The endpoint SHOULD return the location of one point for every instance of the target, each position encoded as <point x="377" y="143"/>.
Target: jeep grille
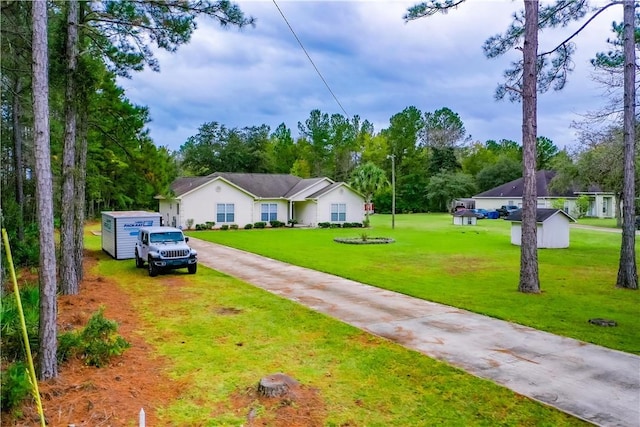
<point x="178" y="253"/>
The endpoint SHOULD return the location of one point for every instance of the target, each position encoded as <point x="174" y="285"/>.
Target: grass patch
<point x="475" y="268"/>
<point x="222" y="335"/>
<point x="599" y="222"/>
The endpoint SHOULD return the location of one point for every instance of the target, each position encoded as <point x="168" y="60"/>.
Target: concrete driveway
<point x="593" y="383"/>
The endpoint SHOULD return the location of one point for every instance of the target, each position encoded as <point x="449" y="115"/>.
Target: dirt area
<point x="113" y="395"/>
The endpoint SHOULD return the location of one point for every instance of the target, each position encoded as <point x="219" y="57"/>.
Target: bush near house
<point x="233" y="226"/>
<point x="260" y="224"/>
<point x="276" y="224"/>
<point x="248" y="226"/>
<point x="224" y="227"/>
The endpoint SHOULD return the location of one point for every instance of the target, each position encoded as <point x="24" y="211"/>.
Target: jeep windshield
<point x="168" y="237"/>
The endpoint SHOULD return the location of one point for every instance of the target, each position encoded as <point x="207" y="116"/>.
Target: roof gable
<point x="305" y="184"/>
<point x="542" y="214"/>
<point x="331" y="188"/>
<point x="258" y="185"/>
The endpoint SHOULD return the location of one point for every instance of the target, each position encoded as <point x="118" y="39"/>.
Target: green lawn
<point x="475" y="268"/>
<point x="598" y="222"/>
<point x="219" y="336"/>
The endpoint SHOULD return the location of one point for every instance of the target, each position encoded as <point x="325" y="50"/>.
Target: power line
<point x="311" y="60"/>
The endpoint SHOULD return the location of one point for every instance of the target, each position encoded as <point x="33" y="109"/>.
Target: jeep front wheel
<point x="139" y="261"/>
<point x="153" y="270"/>
<point x="192" y="268"/>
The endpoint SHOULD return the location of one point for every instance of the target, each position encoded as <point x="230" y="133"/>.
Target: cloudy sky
<point x="375" y="63"/>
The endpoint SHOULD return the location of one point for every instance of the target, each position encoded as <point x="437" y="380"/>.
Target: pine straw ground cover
<point x="200" y="344"/>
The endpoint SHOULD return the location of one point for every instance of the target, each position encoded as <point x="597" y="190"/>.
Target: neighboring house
<point x="464" y="217"/>
<point x="602" y="204"/>
<point x="247" y="198"/>
<point x="552" y="228"/>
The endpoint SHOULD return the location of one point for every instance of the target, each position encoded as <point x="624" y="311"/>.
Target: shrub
<point x="335" y="225"/>
<point x="199" y="227"/>
<point x="276" y="224"/>
<point x="189" y="223"/>
<point x="15" y="386"/>
<point x="260" y="224"/>
<point x="224" y="227"/>
<point x="233" y="226"/>
<point x="97" y="343"/>
<point x="292" y="222"/>
<point x="248" y="226"/>
<point x="209" y="224"/>
<point x="12" y="344"/>
<point x="352" y="225"/>
<point x="324" y="224"/>
<point x="582" y="206"/>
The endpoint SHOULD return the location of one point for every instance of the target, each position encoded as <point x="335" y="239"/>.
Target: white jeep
<point x="164" y="248"/>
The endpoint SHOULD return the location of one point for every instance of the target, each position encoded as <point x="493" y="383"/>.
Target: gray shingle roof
<point x="262" y="185"/>
<point x="186" y="184"/>
<point x="515" y="188"/>
<point x="542" y="214"/>
<point x="465" y="214"/>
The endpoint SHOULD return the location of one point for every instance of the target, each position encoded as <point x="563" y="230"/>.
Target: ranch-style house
<point x="602" y="204"/>
<point x="247" y="198"/>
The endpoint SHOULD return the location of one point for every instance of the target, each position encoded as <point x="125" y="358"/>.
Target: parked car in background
<point x="485" y="213"/>
<point x="505" y="210"/>
<point x="479" y="214"/>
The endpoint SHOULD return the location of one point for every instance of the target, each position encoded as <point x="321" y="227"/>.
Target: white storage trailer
<point x="120" y="231"/>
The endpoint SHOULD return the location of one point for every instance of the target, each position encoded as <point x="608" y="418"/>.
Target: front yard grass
<point x="470" y="267"/>
<point x="220" y="336"/>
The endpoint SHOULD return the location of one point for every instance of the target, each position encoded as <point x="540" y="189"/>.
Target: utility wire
<point x="311" y="60"/>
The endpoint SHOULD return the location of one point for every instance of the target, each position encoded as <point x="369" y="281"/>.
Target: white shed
<point x="120" y="231"/>
<point x="552" y="228"/>
<point x="464" y="217"/>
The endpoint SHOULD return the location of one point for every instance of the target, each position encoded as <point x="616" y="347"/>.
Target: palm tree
<point x="368" y="179"/>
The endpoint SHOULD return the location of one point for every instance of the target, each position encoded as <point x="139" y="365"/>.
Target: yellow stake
<point x="25" y="336"/>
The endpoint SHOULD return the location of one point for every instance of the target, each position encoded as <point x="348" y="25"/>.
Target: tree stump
<point x="276" y="385"/>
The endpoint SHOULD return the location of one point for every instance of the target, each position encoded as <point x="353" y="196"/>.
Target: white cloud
<point x="374" y="62"/>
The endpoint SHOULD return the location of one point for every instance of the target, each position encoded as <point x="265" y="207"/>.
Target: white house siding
<point x="200" y="204"/>
<point x="283" y="210"/>
<point x="552" y="234"/>
<point x="602" y="206"/>
<point x="306" y="213"/>
<point x="465" y="220"/>
<point x="492" y="204"/>
<point x="354" y="205"/>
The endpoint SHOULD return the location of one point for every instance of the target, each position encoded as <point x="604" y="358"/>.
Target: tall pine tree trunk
<point x="48" y="366"/>
<point x="69" y="275"/>
<point x="81" y="185"/>
<point x="627" y="271"/>
<point x="529" y="280"/>
<point x="18" y="158"/>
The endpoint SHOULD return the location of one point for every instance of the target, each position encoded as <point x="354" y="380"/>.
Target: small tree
<point x="558" y="203"/>
<point x="582" y="206"/>
<point x="368" y="179"/>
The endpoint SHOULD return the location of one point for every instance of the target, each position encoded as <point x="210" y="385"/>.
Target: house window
<point x="269" y="212"/>
<point x="178" y="208"/>
<point x="338" y="212"/>
<point x="225" y="212"/>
